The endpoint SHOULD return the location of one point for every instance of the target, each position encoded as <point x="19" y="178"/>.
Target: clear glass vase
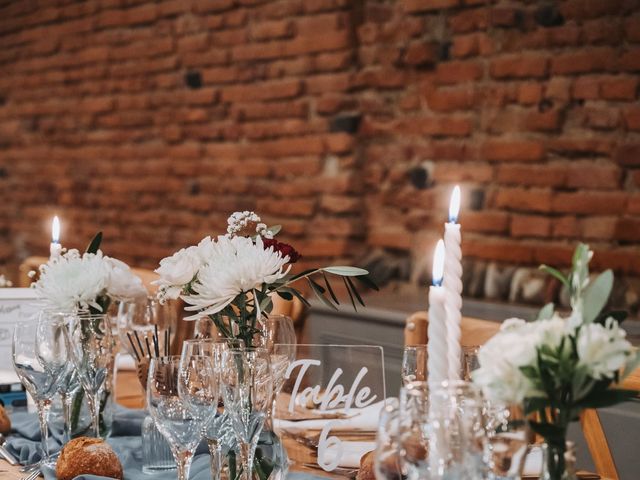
<point x="271" y="461"/>
<point x="156" y="454"/>
<point x="558" y="461"/>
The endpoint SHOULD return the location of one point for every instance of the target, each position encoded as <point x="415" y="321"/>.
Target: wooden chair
<point x="477" y="332"/>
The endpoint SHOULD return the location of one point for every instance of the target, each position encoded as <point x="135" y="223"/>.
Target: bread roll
<point x="84" y="455"/>
<point x="5" y="422"/>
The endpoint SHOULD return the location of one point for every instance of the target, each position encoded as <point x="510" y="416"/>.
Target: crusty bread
<point x="366" y="471"/>
<point x="5" y="422"/>
<point x="84" y="455"/>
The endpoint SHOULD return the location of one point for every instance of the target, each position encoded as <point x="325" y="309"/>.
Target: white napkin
<point x="124" y="361"/>
<point x="533" y="462"/>
<point x="359" y="419"/>
<point x="351" y="452"/>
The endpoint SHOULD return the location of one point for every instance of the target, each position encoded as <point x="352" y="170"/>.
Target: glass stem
<point x="183" y="462"/>
<point x="43" y="415"/>
<point x="215" y="453"/>
<point x="94" y="406"/>
<point x="247" y="453"/>
<point x="66" y="417"/>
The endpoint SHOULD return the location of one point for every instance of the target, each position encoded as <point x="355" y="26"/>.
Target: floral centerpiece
<point x="557" y="366"/>
<point x="231" y="278"/>
<point x="85" y="284"/>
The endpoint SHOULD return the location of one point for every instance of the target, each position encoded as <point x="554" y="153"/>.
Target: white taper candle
<point x="453" y="285"/>
<point x="55" y="248"/>
<point x="437" y="360"/>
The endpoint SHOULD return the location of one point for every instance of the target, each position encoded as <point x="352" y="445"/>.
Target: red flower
<point x="284" y="248"/>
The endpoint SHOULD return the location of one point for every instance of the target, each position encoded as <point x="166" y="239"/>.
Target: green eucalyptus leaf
<point x="353" y="303"/>
<point x="319" y="292"/>
<point x="302" y="274"/>
<point x="94" y="244"/>
<point x="596" y="295"/>
<point x="295" y="293"/>
<point x="546" y="312"/>
<point x="330" y="290"/>
<point x="555" y="273"/>
<point x="345" y="271"/>
<point x="535" y="404"/>
<point x="367" y="281"/>
<point x="354" y="291"/>
<point x="285" y="295"/>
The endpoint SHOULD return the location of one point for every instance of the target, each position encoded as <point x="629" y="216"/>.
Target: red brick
<point x="419" y="54"/>
<point x="623" y="88"/>
<point x="263" y="91"/>
<point x="586" y="88"/>
<point x="415" y="6"/>
<point x="593" y="175"/>
<point x="470" y="20"/>
<point x="530" y="226"/>
<point x="593" y="60"/>
<point x="532" y="175"/>
<point x="490" y="248"/>
<point x="458" y="72"/>
<point x="529" y="93"/>
<point x="142" y="14"/>
<point x="519" y="66"/>
<point x="632" y="28"/>
<point x="631" y="118"/>
<point x="628" y="155"/>
<point x="602" y="118"/>
<point x="630" y="60"/>
<point x="598" y="228"/>
<point x="590" y="202"/>
<point x="549" y="121"/>
<point x="521" y="199"/>
<point x="627" y="230"/>
<point x="485" y="221"/>
<point x="513" y="150"/>
<point x="451" y="99"/>
<point x="272" y="29"/>
<point x="565" y="227"/>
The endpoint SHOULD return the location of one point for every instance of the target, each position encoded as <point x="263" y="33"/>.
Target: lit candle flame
<point x="438" y="264"/>
<point x="454" y="205"/>
<point x="55" y="230"/>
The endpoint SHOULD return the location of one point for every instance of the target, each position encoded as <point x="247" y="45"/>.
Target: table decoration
<point x="414" y="364"/>
<point x="453" y="284"/>
<point x="438" y="344"/>
<point x="55" y="249"/>
<point x="557" y="366"/>
<point x="230" y="278"/>
<point x="86" y="283"/>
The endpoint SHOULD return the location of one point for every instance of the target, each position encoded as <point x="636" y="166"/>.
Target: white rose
<point x="551" y="332"/>
<point x="123" y="283"/>
<point x="603" y="350"/>
<point x="180" y="268"/>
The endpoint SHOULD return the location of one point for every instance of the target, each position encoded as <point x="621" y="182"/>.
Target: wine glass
<point x="200" y="362"/>
<point x="470" y="361"/>
<point x="246" y="382"/>
<point x="279" y="339"/>
<point x="414" y="364"/>
<point x="170" y="413"/>
<point x="140" y="320"/>
<point x="412" y="436"/>
<point x="39" y="381"/>
<point x="89" y="341"/>
<point x="458" y="445"/>
<point x="508" y="438"/>
<point x="387" y="460"/>
<point x="54" y="354"/>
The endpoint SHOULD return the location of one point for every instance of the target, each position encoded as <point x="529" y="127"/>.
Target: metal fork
<point x="33" y="475"/>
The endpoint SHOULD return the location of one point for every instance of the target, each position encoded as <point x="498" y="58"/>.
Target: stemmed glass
<point x="200" y="362"/>
<point x="387" y="460"/>
<point x="411" y="426"/>
<point x="279" y="339"/>
<point x="38" y="379"/>
<point x="91" y="346"/>
<point x="246" y="382"/>
<point x="55" y="355"/>
<point x="414" y="364"/>
<point x="174" y="419"/>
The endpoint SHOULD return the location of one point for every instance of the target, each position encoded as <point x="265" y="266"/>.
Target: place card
<point x="327" y="412"/>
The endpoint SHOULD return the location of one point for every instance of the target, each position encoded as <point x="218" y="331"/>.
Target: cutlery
<point x="33" y="475"/>
<point x="345" y="472"/>
<point x="4" y="453"/>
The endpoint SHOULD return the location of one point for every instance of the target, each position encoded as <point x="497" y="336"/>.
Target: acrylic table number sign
<point x="327" y="412"/>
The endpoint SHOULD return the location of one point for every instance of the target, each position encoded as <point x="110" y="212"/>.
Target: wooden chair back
<point x="476" y="332"/>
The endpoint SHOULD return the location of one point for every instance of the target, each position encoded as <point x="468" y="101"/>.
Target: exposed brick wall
<point x="154" y="120"/>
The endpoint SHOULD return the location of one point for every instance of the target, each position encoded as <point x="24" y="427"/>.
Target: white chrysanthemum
<point x="73" y="281"/>
<point x="603" y="350"/>
<point x="234" y="265"/>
